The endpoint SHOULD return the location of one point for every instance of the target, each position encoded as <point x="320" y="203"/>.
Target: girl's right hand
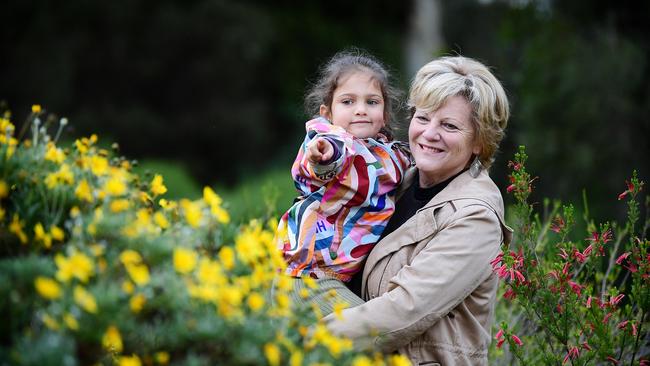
<point x="319" y="150"/>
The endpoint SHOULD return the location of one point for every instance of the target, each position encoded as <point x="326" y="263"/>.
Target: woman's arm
<point x="451" y="266"/>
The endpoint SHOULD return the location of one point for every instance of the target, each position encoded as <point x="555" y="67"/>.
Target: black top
<point x="413" y="199"/>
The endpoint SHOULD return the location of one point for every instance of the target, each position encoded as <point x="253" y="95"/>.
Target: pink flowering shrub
<point x="577" y="302"/>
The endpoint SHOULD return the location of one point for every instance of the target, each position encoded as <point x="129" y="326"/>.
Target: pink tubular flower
<point x="612" y="360"/>
<point x="565" y="270"/>
<point x="606" y="318"/>
<point x="644" y="362"/>
<point x="511" y="188"/>
<point x="500" y="342"/>
<point x="589" y="302"/>
<point x="614" y="300"/>
<point x="579" y="256"/>
<point x="622" y="257"/>
<point x="573" y="353"/>
<point x="510" y="294"/>
<point x="558" y="224"/>
<point x="577" y="288"/>
<point x="499" y="334"/>
<point x="586" y="346"/>
<point x="517" y="340"/>
<point x="622" y="324"/>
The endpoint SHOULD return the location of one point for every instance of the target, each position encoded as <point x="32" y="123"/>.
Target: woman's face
<point x="442" y="141"/>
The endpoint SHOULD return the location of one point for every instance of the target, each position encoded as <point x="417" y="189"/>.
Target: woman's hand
<point x="319" y="150"/>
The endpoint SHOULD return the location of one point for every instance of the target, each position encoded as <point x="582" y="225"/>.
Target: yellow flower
<point x="362" y="361"/>
<point x="136" y="303"/>
<point x="112" y="340"/>
<point x="160" y="220"/>
<point x="36" y="108"/>
<point x="2" y="213"/>
<point x="399" y="360"/>
<point x="127" y="286"/>
<point x="272" y="353"/>
<point x="130" y="257"/>
<point x="70" y="321"/>
<point x="210" y="197"/>
<point x="210" y="272"/>
<point x="115" y="186"/>
<point x="52" y="153"/>
<point x="57" y="233"/>
<point x="139" y="273"/>
<point x="78" y="265"/>
<point x="255" y="301"/>
<point x="83" y="191"/>
<point x="120" y="205"/>
<point x="192" y="211"/>
<point x="283" y="301"/>
<point x="40" y="235"/>
<point x="227" y="257"/>
<point x="85" y="299"/>
<point x="296" y="358"/>
<point x="338" y="309"/>
<point x="96" y="249"/>
<point x="16" y="227"/>
<point x="47" y="288"/>
<point x="4" y="189"/>
<point x="220" y="214"/>
<point x="132" y="360"/>
<point x="98" y="165"/>
<point x="157" y="186"/>
<point x="167" y="205"/>
<point x="162" y="357"/>
<point x="75" y="211"/>
<point x="62" y="176"/>
<point x="50" y="322"/>
<point x="184" y="260"/>
<point x="248" y="246"/>
<point x="214" y="201"/>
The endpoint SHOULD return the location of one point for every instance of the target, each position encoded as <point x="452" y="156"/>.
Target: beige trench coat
<point x="429" y="286"/>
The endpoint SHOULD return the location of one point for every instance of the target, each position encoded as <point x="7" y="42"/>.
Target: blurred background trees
<point x="216" y="86"/>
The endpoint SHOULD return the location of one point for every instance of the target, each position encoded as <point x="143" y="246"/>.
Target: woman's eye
<point x="422" y="119"/>
<point x="449" y="126"/>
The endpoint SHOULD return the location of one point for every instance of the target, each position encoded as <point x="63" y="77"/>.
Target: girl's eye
<point x="373" y="102"/>
<point x="347" y="101"/>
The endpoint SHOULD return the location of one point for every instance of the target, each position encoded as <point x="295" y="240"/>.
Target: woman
<point x="428" y="283"/>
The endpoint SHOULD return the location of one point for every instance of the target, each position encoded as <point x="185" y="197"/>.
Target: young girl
<point x="347" y="170"/>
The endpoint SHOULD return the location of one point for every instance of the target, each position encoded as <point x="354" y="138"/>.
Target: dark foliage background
<point x="217" y="85"/>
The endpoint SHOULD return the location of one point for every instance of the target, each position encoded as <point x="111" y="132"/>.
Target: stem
<point x="638" y="337"/>
<point x="612" y="260"/>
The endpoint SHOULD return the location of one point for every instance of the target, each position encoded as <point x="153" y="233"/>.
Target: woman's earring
<point x="475" y="167"/>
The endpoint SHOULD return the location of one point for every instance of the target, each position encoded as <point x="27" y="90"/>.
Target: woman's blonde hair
<point x="446" y="77"/>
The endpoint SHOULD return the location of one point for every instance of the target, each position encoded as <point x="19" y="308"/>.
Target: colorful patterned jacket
<point x="344" y="205"/>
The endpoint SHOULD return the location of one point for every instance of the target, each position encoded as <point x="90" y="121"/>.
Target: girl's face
<point x="442" y="141"/>
<point x="357" y="105"/>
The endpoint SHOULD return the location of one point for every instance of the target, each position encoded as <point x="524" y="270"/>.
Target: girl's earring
<point x="475" y="167"/>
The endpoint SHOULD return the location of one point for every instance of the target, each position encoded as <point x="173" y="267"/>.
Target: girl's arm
<point x="308" y="176"/>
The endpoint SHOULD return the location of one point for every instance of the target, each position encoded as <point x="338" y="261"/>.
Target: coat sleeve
<point x="309" y="178"/>
<point x="450" y="267"/>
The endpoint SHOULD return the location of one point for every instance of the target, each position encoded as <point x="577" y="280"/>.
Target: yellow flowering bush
<point x="96" y="267"/>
